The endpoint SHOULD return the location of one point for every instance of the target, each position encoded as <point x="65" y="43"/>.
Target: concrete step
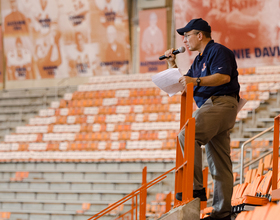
<point x="276" y="110"/>
<point x="189" y="211"/>
<point x="88" y="167"/>
<point x="55" y="205"/>
<point x="70" y="185"/>
<point x="50" y="215"/>
<point x="265" y="119"/>
<point x="88" y="175"/>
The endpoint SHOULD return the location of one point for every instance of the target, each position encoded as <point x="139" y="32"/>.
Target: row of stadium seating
<point x="254" y="192"/>
<point x="51" y="190"/>
<point x="110" y="126"/>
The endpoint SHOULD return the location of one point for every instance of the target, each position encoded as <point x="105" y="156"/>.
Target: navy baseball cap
<point x="195" y="24"/>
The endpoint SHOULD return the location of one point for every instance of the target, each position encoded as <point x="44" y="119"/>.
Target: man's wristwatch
<point x="198" y="80"/>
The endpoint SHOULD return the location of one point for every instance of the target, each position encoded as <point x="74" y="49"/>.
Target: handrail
<point x="143" y="195"/>
<point x="275" y="153"/>
<point x="258" y="158"/>
<point x="246" y="164"/>
<point x="185" y="160"/>
<point x="242" y="151"/>
<point x="131" y="195"/>
<point x="122" y="215"/>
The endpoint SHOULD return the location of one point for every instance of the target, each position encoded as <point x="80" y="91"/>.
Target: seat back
<point x="255" y="184"/>
<point x="265" y="184"/>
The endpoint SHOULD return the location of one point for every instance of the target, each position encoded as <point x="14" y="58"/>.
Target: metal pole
<point x="242" y="151"/>
<point x="275" y="153"/>
<point x="143" y="195"/>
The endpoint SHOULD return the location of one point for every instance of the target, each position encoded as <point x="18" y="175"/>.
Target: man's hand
<point x="186" y="79"/>
<point x="171" y="57"/>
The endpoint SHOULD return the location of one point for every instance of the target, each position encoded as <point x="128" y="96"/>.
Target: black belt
<point x="232" y="95"/>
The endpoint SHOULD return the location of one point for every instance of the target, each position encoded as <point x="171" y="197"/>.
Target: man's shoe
<point x="200" y="194"/>
<point x="207" y="218"/>
<point x="178" y="196"/>
<point x="196" y="193"/>
<point x="211" y="218"/>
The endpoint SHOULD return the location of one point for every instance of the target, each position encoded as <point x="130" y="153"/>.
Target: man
<point x="116" y="59"/>
<point x="19" y="62"/>
<point x="80" y="13"/>
<point x="15" y="23"/>
<point x="83" y="57"/>
<point x="111" y="11"/>
<point x="152" y="41"/>
<point x="216" y="92"/>
<point x="44" y="15"/>
<point x="48" y="55"/>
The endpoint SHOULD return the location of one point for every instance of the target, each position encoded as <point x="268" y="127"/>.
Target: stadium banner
<point x="65" y="38"/>
<point x="1" y="58"/>
<point x="251" y="29"/>
<point x="153" y="37"/>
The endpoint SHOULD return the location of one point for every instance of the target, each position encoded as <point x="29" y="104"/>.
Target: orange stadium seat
<point x="85" y="207"/>
<point x="92" y="146"/>
<point x="61" y="119"/>
<point x="238" y="193"/>
<point x="130" y="118"/>
<point x="110" y="93"/>
<point x="248" y="176"/>
<point x="88" y="103"/>
<point x="5" y="215"/>
<point x="267" y="162"/>
<point x="256" y="192"/>
<point x="242" y="216"/>
<point x="63" y="103"/>
<point x="85" y="127"/>
<point x="174" y="99"/>
<point x="19" y="176"/>
<point x="252" y="88"/>
<point x="100" y="119"/>
<point x="89" y="95"/>
<point x="149" y="108"/>
<point x="81" y="95"/>
<point x="133" y="92"/>
<point x="273" y="212"/>
<point x="260" y="212"/>
<point x="235" y="144"/>
<point x="80" y="137"/>
<point x="265" y="184"/>
<point x="260" y="168"/>
<point x="103" y="110"/>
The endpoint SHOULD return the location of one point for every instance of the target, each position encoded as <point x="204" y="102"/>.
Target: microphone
<point x="179" y="50"/>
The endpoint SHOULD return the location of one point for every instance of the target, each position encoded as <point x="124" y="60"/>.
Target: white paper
<point x="168" y="81"/>
<point x="241" y="103"/>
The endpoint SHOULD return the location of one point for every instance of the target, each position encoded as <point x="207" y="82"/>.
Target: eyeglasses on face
<point x="188" y="35"/>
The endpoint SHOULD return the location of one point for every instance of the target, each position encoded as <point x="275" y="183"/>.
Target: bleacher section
<point x="59" y="190"/>
<point x="19" y="105"/>
<point x="256" y="85"/>
<point x="87" y="150"/>
<point x="128" y="120"/>
<point x="110" y="132"/>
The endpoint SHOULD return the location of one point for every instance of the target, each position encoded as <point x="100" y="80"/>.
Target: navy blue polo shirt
<point x="215" y="58"/>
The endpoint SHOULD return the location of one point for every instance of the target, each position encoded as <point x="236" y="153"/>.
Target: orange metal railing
<point x="185" y="161"/>
<point x="275" y="152"/>
<point x="183" y="170"/>
<point x="133" y="196"/>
